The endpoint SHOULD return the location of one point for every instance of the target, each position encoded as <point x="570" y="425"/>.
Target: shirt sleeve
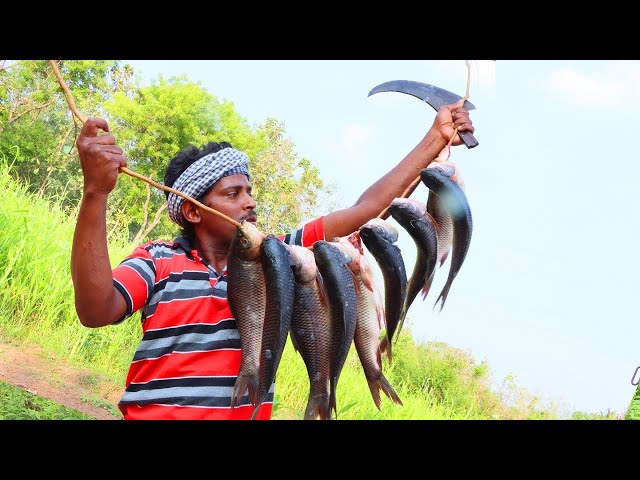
<point x="135" y="277"/>
<point x="306" y="235"/>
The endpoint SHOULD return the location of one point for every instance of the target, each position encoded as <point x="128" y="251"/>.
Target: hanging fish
<point x="311" y="330"/>
<point x="280" y="290"/>
<point x="341" y="291"/>
<point x="379" y="237"/>
<point x="247" y="297"/>
<point x="439" y="213"/>
<point x="438" y="179"/>
<point x="412" y="215"/>
<point x="369" y="318"/>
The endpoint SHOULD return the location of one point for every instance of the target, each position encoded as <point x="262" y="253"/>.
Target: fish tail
<point x="244" y="382"/>
<point x="427" y="287"/>
<point x="374" y="386"/>
<point x="442" y="298"/>
<point x="441" y="303"/>
<point x="332" y="398"/>
<point x="318" y="407"/>
<point x="388" y="390"/>
<point x="256" y="409"/>
<point x="399" y="327"/>
<point x="385" y="346"/>
<point x="311" y="412"/>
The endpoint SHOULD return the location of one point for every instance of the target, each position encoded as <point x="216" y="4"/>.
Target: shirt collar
<point x="185" y="244"/>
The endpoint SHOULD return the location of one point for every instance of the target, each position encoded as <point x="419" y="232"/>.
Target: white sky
<point x="547" y="291"/>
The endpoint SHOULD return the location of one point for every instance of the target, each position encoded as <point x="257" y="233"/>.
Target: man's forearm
<point x="90" y="265"/>
<point x="379" y="195"/>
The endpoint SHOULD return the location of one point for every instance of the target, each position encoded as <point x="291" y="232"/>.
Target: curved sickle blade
<point x="434" y="96"/>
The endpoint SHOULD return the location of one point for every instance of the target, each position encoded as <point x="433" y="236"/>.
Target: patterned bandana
<point x="202" y="174"/>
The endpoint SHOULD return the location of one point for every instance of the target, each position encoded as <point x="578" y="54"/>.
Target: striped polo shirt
<point x="189" y="357"/>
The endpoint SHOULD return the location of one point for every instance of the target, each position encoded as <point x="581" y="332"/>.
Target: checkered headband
<point x="202" y="174"/>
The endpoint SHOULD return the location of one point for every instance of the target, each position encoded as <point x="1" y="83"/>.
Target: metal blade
<point x="434" y="96"/>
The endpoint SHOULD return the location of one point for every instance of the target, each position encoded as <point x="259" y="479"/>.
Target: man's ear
<point x="191" y="212"/>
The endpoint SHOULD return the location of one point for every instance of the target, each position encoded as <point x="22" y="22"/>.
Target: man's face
<point x="230" y="195"/>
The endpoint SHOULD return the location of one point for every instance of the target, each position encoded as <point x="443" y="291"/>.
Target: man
<point x="189" y="357"/>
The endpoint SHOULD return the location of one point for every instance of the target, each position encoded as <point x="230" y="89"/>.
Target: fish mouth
<point x="445" y="167"/>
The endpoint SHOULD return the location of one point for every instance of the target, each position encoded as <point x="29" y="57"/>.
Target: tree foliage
<point x="35" y="119"/>
<point x="151" y="123"/>
<point x="287" y="187"/>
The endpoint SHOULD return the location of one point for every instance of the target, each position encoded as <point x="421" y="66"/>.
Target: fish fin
<point x="379" y="302"/>
<point x="356" y="241"/>
<point x="324" y="298"/>
<point x="385" y="386"/>
<point x="382" y="321"/>
<point x="385" y="346"/>
<point x="367" y="278"/>
<point x="443" y="258"/>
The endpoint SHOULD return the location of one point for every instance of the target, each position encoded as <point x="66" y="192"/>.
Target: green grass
<point x="434" y="381"/>
<point x="354" y="399"/>
<point x="37" y="299"/>
<point x="18" y="404"/>
<point x="633" y="412"/>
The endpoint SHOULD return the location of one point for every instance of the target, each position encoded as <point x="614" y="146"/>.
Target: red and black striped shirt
<point x="189" y="357"/>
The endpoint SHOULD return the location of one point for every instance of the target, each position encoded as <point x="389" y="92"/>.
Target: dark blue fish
<point x="340" y="287"/>
<point x="379" y="237"/>
<point x="438" y="177"/>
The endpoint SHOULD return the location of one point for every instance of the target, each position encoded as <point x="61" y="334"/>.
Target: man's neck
<point x="212" y="252"/>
